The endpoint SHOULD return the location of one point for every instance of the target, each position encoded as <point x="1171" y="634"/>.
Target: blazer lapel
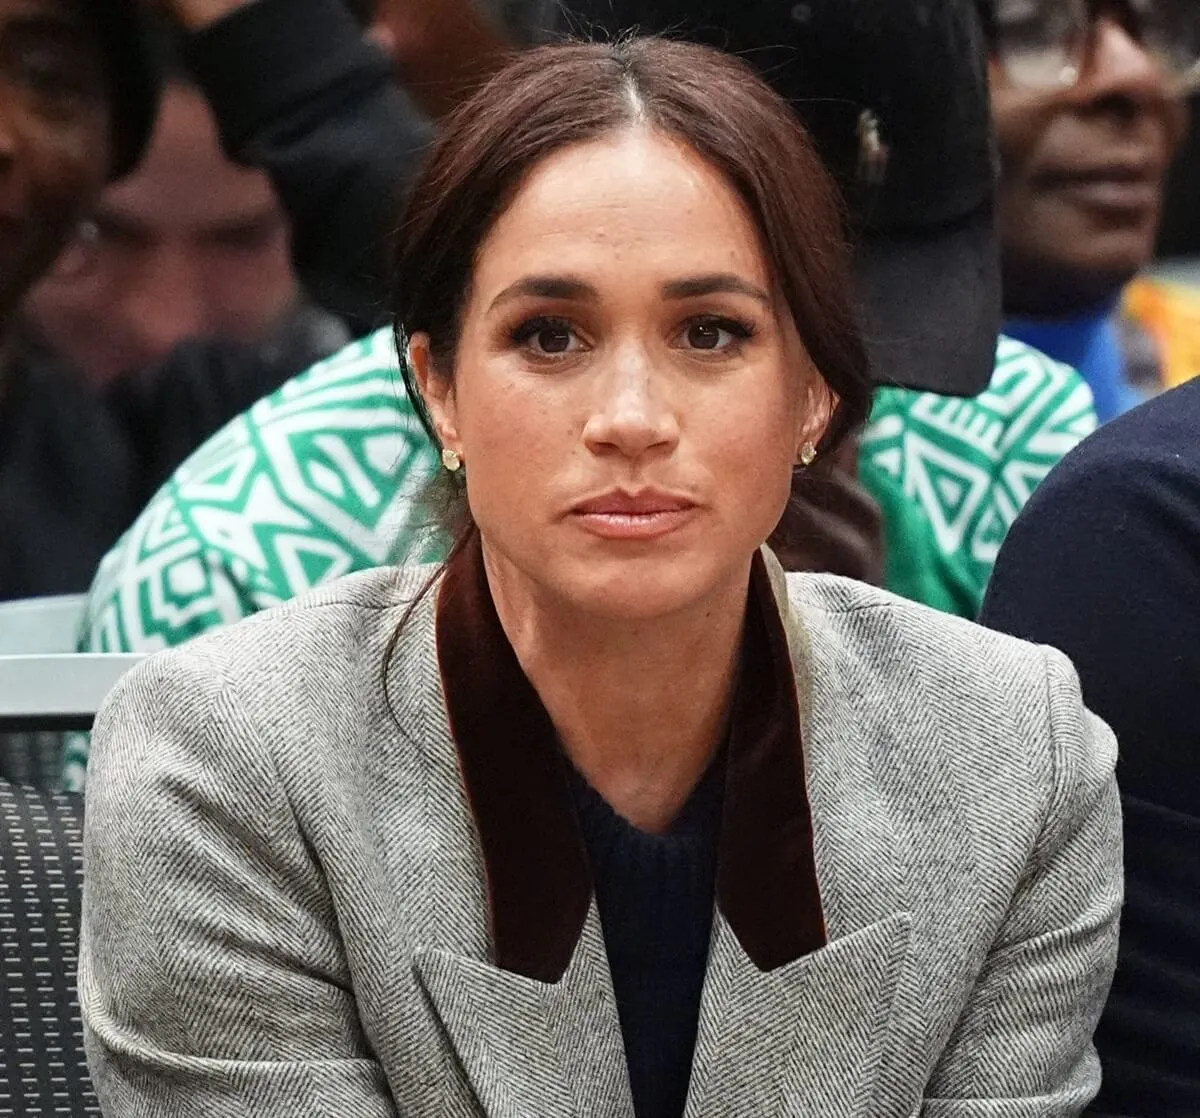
<point x="811" y="936"/>
<point x="530" y="1047"/>
<point x="803" y="969"/>
<point x="806" y="1040"/>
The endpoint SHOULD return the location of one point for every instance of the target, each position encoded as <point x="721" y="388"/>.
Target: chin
<point x="647" y="587"/>
<point x="1077" y="285"/>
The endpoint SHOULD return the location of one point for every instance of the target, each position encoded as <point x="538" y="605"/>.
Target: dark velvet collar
<point x="538" y="880"/>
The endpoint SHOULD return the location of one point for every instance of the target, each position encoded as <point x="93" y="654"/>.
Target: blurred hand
<point x="195" y="15"/>
<point x="443" y="49"/>
<point x="832" y="524"/>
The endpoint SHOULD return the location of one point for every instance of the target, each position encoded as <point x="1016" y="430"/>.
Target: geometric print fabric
<point x="970" y="465"/>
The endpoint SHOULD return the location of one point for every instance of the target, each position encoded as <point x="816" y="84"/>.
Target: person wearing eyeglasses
<point x="1089" y="104"/>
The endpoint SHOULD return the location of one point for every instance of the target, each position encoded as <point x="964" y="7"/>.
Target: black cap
<point x="907" y="80"/>
<point x="133" y="81"/>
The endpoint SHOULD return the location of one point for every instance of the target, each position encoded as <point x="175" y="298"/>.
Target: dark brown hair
<point x="552" y="97"/>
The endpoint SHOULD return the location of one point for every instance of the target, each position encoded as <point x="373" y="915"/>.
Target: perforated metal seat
<point x="36" y="626"/>
<point x="42" y="1067"/>
<point x="42" y="694"/>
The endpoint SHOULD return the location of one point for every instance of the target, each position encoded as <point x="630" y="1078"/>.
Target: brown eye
<point x="553" y="339"/>
<point x="715" y="335"/>
<point x="704" y="335"/>
<point x="547" y="337"/>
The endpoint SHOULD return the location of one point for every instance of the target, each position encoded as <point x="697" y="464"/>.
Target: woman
<point x="610" y="816"/>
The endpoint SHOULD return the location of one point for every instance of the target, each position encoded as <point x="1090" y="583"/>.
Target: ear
<point x="436" y="390"/>
<point x="815" y="414"/>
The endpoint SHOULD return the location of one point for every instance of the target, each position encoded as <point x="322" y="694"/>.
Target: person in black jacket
<point x="1104" y="564"/>
<point x="296" y="91"/>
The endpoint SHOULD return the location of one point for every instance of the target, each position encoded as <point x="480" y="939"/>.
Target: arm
<point x="1105" y="564"/>
<point x="212" y="978"/>
<point x="1022" y="1047"/>
<point x="442" y="50"/>
<point x="317" y="110"/>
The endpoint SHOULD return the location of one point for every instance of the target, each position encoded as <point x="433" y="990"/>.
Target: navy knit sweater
<point x="655" y="895"/>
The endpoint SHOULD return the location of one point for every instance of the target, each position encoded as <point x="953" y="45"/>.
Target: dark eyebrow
<point x="715" y="284"/>
<point x="565" y="287"/>
<point x="545" y="287"/>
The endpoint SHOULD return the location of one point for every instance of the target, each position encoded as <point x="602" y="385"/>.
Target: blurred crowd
<point x="201" y="412"/>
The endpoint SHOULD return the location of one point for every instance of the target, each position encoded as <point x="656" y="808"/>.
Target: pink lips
<point x="645" y="515"/>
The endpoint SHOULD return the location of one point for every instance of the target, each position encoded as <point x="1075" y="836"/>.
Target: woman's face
<point x="630" y="394"/>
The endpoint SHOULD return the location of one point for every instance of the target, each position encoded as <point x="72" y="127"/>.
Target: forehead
<point x="632" y="200"/>
<point x="185" y="182"/>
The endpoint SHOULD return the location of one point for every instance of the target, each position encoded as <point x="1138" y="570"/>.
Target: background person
<point x="319" y="113"/>
<point x="343" y="457"/>
<point x="962" y="430"/>
<point x="1089" y="108"/>
<point x="190" y="245"/>
<point x="443" y="51"/>
<point x="76" y="104"/>
<point x="1104" y="564"/>
<point x="353" y="842"/>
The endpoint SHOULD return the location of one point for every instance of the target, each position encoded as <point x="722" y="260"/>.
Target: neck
<point x="640" y="707"/>
<point x="1046" y="294"/>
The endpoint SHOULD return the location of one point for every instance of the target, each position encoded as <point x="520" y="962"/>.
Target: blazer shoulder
<point x="854" y="611"/>
<point x="313" y="668"/>
<point x="987" y="703"/>
<point x="352" y="611"/>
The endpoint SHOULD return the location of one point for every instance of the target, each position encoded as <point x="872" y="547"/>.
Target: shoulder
<point x="1029" y="396"/>
<point x="314" y="481"/>
<point x="970" y="465"/>
<point x="334" y="629"/>
<point x="1136" y="479"/>
<point x="1033" y="412"/>
<point x="847" y="619"/>
<point x="1103" y="563"/>
<point x="1158" y="438"/>
<point x="284" y="687"/>
<point x="1000" y="712"/>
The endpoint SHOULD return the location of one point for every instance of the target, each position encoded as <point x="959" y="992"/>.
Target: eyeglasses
<point x="1045" y="44"/>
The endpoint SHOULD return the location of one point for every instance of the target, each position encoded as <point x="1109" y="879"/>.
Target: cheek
<point x="517" y="431"/>
<point x="748" y="446"/>
<point x="248" y="288"/>
<point x="1020" y="120"/>
<point x="67" y="168"/>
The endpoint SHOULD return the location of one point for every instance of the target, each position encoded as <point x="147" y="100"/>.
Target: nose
<point x="1121" y="69"/>
<point x="164" y="308"/>
<point x="632" y="416"/>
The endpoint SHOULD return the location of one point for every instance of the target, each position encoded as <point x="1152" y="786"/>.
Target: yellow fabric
<point x="1170" y="314"/>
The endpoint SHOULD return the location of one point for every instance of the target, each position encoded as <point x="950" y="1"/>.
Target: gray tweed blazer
<point x="297" y="905"/>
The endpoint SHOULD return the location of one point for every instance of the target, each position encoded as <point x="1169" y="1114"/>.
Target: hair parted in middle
<point x="553" y="97"/>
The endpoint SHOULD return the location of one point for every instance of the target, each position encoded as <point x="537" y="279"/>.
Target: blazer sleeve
<point x="1022" y="1047"/>
<point x="211" y="976"/>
